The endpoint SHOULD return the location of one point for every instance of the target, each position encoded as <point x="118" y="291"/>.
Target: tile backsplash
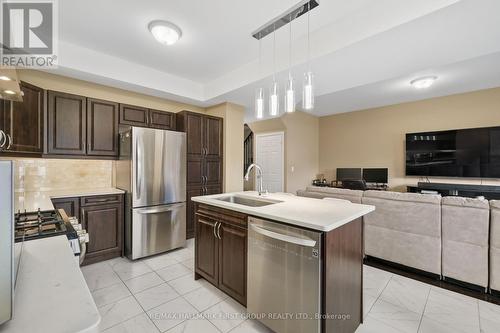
<point x="42" y="174"/>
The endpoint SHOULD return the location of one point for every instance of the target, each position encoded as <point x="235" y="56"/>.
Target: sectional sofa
<point x="455" y="238"/>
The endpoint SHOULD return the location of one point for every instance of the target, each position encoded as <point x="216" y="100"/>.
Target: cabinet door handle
<point x="10" y="141"/>
<point x="218" y="231"/>
<point x="215" y="227"/>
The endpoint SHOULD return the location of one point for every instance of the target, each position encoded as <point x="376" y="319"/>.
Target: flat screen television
<point x="473" y="152"/>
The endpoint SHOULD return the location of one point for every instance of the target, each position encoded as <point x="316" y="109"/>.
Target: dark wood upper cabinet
<point x="213" y="171"/>
<point x="162" y="120"/>
<point x="23" y="122"/>
<point x="213" y="136"/>
<point x="66" y="124"/>
<point x="102" y="128"/>
<point x="133" y="115"/>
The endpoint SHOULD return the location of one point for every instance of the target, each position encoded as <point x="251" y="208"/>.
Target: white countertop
<point x="51" y="294"/>
<point x="317" y="214"/>
<point x="31" y="201"/>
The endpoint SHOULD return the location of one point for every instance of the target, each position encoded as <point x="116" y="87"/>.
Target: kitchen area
<point x="116" y="215"/>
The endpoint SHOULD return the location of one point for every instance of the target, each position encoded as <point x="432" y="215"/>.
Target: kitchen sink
<point x="246" y="201"/>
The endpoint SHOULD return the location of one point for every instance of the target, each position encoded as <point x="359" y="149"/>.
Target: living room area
<point x="430" y="168"/>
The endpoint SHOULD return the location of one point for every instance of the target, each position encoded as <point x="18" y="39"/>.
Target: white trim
<point x="282" y="134"/>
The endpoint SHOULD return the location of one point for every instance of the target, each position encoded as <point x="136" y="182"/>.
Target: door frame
<point x="282" y="134"/>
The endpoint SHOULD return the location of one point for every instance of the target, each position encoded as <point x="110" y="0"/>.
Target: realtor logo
<point x="29" y="33"/>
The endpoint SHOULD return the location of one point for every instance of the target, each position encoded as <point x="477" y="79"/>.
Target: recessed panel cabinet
<point x="81" y="126"/>
<point x="102" y="128"/>
<point x="22" y="123"/>
<point x="66" y="124"/>
<point x="221" y="250"/>
<point x="144" y="117"/>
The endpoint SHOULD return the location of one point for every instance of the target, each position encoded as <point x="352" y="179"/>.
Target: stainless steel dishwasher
<point x="284" y="276"/>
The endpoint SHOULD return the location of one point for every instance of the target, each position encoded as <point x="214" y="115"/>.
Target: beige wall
<point x="233" y="144"/>
<point x="72" y="86"/>
<point x="301" y="146"/>
<point x="376" y="137"/>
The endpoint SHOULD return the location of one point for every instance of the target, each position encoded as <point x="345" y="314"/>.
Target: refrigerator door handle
<point x="159" y="209"/>
<point x="138" y="169"/>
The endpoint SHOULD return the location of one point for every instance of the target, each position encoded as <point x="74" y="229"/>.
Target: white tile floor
<point x="159" y="294"/>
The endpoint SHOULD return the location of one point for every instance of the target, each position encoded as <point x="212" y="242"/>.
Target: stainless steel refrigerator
<point x="152" y="169"/>
<point x="7" y="270"/>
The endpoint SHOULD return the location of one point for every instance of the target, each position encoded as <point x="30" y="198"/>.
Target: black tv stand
<point x="490" y="192"/>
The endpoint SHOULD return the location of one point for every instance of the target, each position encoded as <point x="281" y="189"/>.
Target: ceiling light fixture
<point x="259" y="93"/>
<point x="165" y="32"/>
<point x="290" y="92"/>
<point x="5" y="78"/>
<point x="9" y="92"/>
<point x="308" y="87"/>
<point x="423" y="82"/>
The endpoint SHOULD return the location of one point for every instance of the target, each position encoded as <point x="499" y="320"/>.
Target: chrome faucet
<point x="260" y="187"/>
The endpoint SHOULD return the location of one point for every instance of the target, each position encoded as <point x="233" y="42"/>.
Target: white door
<point x="269" y="154"/>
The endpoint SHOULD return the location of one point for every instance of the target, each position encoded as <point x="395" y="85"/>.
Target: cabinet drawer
<point x="100" y="199"/>
<point x="229" y="216"/>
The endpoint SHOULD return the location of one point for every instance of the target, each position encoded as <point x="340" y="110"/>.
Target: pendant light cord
<point x="308" y="36"/>
<point x="290" y="50"/>
<point x="274" y="52"/>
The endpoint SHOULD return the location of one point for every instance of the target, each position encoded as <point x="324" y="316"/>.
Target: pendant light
<point x="274" y="103"/>
<point x="259" y="93"/>
<point x="308" y="86"/>
<point x="290" y="92"/>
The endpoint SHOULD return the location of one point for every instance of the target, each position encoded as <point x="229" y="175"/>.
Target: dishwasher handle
<point x="282" y="237"/>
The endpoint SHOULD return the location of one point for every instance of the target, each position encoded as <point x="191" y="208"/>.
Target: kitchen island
<point x="295" y="262"/>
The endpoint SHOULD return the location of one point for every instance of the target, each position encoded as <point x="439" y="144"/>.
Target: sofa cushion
<point x="495" y="245"/>
<point x="405" y="212"/>
<point x="465" y="224"/>
<point x="340" y="193"/>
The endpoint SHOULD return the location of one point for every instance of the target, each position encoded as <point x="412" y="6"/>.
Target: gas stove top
<point x="39" y="225"/>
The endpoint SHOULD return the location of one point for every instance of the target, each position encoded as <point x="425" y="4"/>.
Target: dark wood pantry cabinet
<point x="204" y="158"/>
<point x="221" y="249"/>
<point x="23" y="122"/>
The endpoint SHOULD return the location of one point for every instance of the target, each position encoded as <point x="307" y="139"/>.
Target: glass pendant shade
<point x="308" y="92"/>
<point x="290" y="96"/>
<point x="274" y="103"/>
<point x="259" y="103"/>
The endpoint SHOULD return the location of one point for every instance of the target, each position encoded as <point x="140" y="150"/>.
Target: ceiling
<point x="363" y="52"/>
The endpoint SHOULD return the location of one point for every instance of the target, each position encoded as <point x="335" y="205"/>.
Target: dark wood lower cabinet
<point x="207" y="248"/>
<point x="221" y="250"/>
<point x="102" y="217"/>
<point x="233" y="261"/>
<point x="104" y="224"/>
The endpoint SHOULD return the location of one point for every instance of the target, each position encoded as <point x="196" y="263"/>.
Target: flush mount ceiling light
<point x="9" y="92"/>
<point x="423" y="82"/>
<point x="165" y="32"/>
<point x="5" y="78"/>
